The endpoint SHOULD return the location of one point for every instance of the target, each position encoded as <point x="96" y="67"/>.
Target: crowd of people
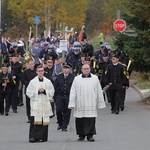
<point x="84" y="81"/>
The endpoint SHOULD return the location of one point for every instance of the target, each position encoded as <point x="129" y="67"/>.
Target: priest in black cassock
<point x="40" y="91"/>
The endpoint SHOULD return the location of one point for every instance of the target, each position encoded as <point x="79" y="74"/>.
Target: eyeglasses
<point x="86" y="68"/>
<point x="40" y="71"/>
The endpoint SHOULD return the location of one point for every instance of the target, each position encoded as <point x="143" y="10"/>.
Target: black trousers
<point x="20" y="93"/>
<point x="115" y="98"/>
<point x="123" y="96"/>
<point x="5" y="96"/>
<point x="85" y="126"/>
<point x="62" y="111"/>
<point x="28" y="109"/>
<point x="53" y="107"/>
<point x="14" y="97"/>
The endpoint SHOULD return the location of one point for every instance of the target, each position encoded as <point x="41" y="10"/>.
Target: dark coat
<point x="27" y="76"/>
<point x="63" y="85"/>
<point x="115" y="75"/>
<point x="2" y="80"/>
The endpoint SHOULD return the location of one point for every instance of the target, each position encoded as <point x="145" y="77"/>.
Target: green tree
<point x="138" y="46"/>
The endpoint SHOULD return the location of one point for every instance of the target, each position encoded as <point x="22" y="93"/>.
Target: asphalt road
<point x="130" y="130"/>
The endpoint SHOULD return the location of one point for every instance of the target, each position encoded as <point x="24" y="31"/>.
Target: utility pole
<point x="0" y="33"/>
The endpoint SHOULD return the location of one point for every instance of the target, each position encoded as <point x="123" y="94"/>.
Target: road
<point x="127" y="131"/>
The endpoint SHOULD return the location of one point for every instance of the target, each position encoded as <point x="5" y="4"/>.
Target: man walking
<point x="40" y="91"/>
<point x="85" y="96"/>
<point x="62" y="90"/>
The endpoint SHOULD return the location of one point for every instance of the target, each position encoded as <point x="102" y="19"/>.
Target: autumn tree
<point x="70" y="12"/>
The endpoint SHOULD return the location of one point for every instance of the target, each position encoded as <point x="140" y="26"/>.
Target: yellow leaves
<point x="70" y="12"/>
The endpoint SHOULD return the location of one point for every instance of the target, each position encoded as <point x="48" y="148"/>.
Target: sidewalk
<point x="143" y="93"/>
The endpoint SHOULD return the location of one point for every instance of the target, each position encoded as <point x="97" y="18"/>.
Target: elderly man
<point x="40" y="91"/>
<point x="85" y="97"/>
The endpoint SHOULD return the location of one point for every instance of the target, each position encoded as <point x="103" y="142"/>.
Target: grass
<point x="143" y="85"/>
<point x="108" y="38"/>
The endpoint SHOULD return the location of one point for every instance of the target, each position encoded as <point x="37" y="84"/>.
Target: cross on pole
<point x="64" y="31"/>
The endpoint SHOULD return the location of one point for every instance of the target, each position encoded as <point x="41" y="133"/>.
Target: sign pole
<point x="36" y="30"/>
<point x="37" y="21"/>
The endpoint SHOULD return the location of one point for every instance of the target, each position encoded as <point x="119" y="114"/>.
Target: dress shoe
<point x="6" y="113"/>
<point x="21" y="104"/>
<point x="81" y="139"/>
<point x="15" y="111"/>
<point x="59" y="127"/>
<point x="33" y="140"/>
<point x="64" y="129"/>
<point x="91" y="139"/>
<point x="52" y="116"/>
<point x="117" y="112"/>
<point x="122" y="108"/>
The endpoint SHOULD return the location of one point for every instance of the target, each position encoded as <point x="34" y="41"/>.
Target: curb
<point x="143" y="93"/>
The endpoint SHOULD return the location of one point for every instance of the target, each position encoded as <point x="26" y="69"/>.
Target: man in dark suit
<point x="62" y="91"/>
<point x="116" y="78"/>
<point x="27" y="76"/>
<point x="49" y="73"/>
<point x="5" y="89"/>
<point x="16" y="73"/>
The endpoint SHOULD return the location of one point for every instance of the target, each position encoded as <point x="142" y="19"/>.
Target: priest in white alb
<point x="40" y="91"/>
<point x="85" y="97"/>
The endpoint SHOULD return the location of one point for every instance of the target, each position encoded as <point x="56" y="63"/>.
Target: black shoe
<point x="81" y="139"/>
<point x="122" y="108"/>
<point x="59" y="127"/>
<point x="21" y="104"/>
<point x="91" y="139"/>
<point x="33" y="140"/>
<point x="117" y="112"/>
<point x="52" y="116"/>
<point x="15" y="111"/>
<point x="6" y="113"/>
<point x="2" y="113"/>
<point x="64" y="129"/>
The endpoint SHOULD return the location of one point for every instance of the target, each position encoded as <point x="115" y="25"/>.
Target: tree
<point x="138" y="46"/>
<point x="94" y="15"/>
<point x="70" y="12"/>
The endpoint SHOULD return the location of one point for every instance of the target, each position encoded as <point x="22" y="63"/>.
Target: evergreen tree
<point x="137" y="46"/>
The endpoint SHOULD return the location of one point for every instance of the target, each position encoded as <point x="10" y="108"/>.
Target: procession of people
<point x="54" y="83"/>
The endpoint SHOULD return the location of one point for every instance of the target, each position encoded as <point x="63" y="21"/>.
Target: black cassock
<point x="85" y="126"/>
<point x="38" y="132"/>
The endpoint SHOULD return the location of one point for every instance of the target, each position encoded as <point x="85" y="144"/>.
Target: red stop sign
<point x="119" y="25"/>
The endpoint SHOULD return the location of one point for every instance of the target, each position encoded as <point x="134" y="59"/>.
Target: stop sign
<point x="119" y="25"/>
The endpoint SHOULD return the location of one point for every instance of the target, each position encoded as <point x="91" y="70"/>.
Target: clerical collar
<point x="115" y="64"/>
<point x="88" y="76"/>
<point x="40" y="80"/>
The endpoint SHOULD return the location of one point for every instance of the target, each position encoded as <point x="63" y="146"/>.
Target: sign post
<point x="37" y="21"/>
<point x="119" y="25"/>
